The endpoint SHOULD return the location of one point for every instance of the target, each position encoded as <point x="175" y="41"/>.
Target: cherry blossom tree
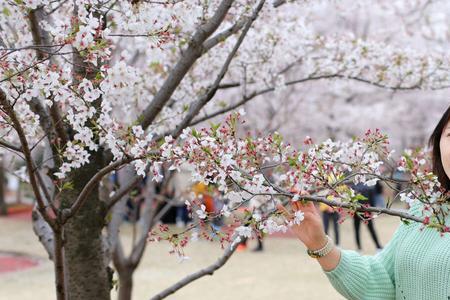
<point x="92" y="87"/>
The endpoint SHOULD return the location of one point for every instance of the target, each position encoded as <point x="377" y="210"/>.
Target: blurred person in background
<point x="328" y="214"/>
<point x="369" y="193"/>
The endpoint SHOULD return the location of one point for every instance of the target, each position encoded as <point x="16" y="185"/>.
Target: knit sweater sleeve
<point x="360" y="277"/>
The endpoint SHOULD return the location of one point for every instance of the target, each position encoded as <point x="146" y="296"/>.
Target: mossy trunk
<point x="86" y="265"/>
<point x="3" y="207"/>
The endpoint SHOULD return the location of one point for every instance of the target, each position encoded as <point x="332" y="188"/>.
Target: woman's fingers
<point x="284" y="211"/>
<point x="296" y="205"/>
<point x="299" y="205"/>
<point x="308" y="208"/>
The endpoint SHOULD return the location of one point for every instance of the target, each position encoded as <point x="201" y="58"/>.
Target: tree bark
<point x="87" y="271"/>
<point x="44" y="232"/>
<point x="125" y="283"/>
<point x="3" y="208"/>
<point x="124" y="269"/>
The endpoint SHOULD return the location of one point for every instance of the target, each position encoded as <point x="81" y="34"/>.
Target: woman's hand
<point x="310" y="231"/>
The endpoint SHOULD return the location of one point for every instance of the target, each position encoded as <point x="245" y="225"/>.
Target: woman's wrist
<point x="322" y="251"/>
<point x="317" y="243"/>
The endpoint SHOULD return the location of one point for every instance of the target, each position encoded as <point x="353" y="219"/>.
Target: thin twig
<point x="199" y="274"/>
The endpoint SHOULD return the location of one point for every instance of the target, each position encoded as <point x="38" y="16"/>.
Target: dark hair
<point x="434" y="142"/>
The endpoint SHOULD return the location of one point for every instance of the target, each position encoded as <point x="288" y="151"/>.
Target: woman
<point x="415" y="265"/>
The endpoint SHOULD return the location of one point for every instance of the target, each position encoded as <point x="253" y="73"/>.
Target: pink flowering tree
<point x="92" y="87"/>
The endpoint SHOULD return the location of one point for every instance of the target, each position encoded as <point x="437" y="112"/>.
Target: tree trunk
<point x="125" y="284"/>
<point x="3" y="208"/>
<point x="86" y="266"/>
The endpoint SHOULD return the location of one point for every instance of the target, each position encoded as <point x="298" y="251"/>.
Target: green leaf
<point x="215" y="126"/>
<point x="108" y="218"/>
<point x="6" y="12"/>
<point x="277" y="138"/>
<point x="98" y="76"/>
<point x="206" y="150"/>
<point x="359" y="197"/>
<point x="139" y="120"/>
<point x="293" y="161"/>
<point x="409" y="162"/>
<point x="195" y="133"/>
<point x="67" y="185"/>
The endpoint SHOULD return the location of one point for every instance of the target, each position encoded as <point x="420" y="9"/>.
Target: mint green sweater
<point x="414" y="265"/>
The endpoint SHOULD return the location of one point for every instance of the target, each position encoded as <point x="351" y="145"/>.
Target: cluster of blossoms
<point x="424" y="188"/>
<point x="255" y="174"/>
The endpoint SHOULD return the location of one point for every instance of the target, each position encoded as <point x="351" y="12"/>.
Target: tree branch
<point x="245" y="99"/>
<point x="118" y="256"/>
<point x="123" y="191"/>
<point x="353" y="206"/>
<point x="210" y="43"/>
<point x="59" y="264"/>
<point x="52" y="123"/>
<point x="23" y="70"/>
<point x="40" y="38"/>
<point x="28" y="159"/>
<point x="387" y="211"/>
<point x="222" y="36"/>
<point x="278" y="3"/>
<point x="189" y="57"/>
<point x="9" y="146"/>
<point x="199" y="274"/>
<point x="200" y="103"/>
<point x="43" y="232"/>
<point x="44" y="189"/>
<point x="114" y="224"/>
<point x="88" y="188"/>
<point x="138" y="249"/>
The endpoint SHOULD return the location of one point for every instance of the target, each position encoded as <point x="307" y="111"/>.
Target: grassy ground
<point x="282" y="271"/>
